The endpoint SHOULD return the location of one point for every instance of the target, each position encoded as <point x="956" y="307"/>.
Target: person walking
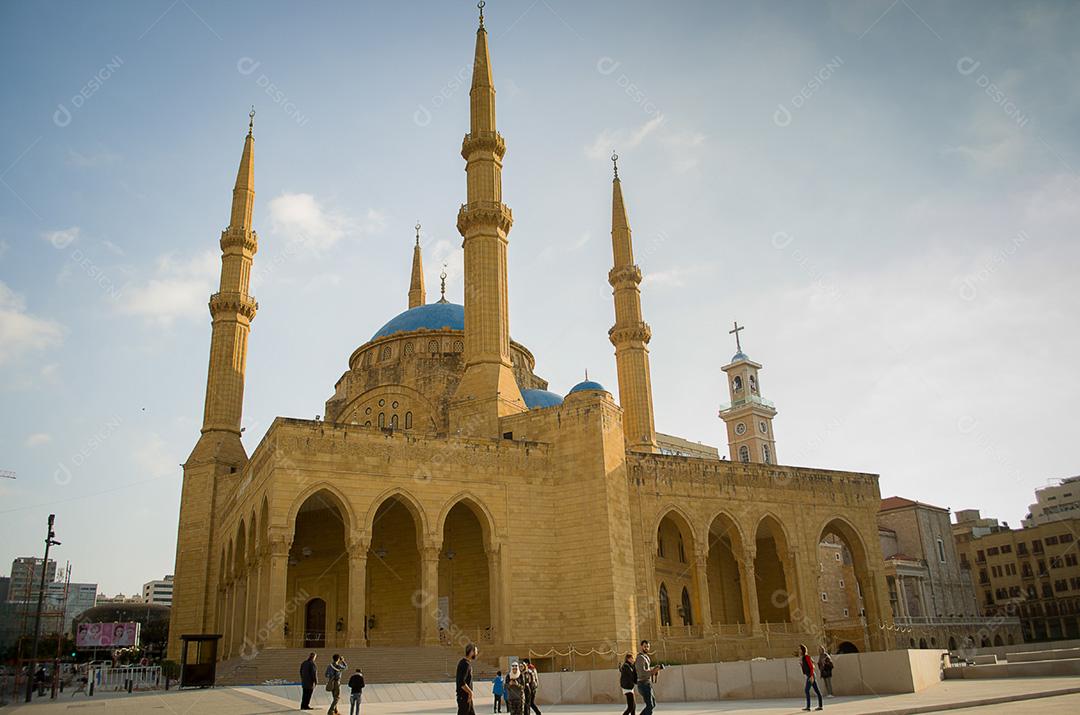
<point x="646" y="671"/>
<point x="627" y="681"/>
<point x="532" y="687"/>
<point x="356" y="692"/>
<point x="515" y="689"/>
<point x="807" y="664"/>
<point x="463" y="681"/>
<point x="309" y="678"/>
<point x="497" y="691"/>
<point x="333" y="682"/>
<point x="825" y="666"/>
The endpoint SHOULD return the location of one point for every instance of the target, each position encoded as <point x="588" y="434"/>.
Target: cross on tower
<point x="735" y="332"/>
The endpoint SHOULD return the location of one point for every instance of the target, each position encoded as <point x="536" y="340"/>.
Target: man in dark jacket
<point x="463" y="681"/>
<point x="309" y="677"/>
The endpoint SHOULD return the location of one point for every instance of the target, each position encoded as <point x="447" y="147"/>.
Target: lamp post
<point x="49" y="541"/>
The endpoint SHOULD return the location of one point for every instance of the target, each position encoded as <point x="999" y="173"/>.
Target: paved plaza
<point x="1051" y="695"/>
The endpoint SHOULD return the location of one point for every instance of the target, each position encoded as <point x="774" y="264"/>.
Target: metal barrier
<point x="129" y="678"/>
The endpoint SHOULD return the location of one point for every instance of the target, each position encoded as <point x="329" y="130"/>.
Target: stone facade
<point x="439" y="502"/>
<point x="930" y="587"/>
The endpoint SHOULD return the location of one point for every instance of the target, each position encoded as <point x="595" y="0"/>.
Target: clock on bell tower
<point x="749" y="416"/>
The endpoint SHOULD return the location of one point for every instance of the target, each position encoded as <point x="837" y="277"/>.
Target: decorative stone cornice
<point x="233" y="302"/>
<point x="624" y="276"/>
<point x="491" y="142"/>
<point x="484" y="213"/>
<point x="621" y="334"/>
<point x="238" y="237"/>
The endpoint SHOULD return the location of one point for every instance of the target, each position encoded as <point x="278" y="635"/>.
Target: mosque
<point x="447" y="495"/>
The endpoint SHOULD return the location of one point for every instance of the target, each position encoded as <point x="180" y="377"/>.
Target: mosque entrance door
<point x="315" y="624"/>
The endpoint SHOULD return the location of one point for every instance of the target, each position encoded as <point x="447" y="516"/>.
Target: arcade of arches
<point x="410" y="590"/>
<point x="705" y="587"/>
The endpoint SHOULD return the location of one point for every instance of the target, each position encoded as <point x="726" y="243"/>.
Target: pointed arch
<point x="665" y="605"/>
<point x="333" y="496"/>
<point x="724" y="524"/>
<point x="683" y="520"/>
<point x="477" y="507"/>
<point x="240" y="557"/>
<point x="866" y="589"/>
<point x="264" y="522"/>
<point x="407" y="500"/>
<point x="253" y="536"/>
<point x="776" y="529"/>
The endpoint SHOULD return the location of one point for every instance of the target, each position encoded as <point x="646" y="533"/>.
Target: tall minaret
<point x="214" y="466"/>
<point x="417" y="294"/>
<point x="231" y="307"/>
<point x="630" y="335"/>
<point x="487" y="390"/>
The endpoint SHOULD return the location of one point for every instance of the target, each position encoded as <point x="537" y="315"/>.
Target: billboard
<point x="107" y="635"/>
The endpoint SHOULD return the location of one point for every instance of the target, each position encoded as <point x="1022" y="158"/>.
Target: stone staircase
<point x="379" y="665"/>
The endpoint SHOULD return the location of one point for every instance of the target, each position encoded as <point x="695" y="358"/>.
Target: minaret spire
<point x="232" y="307"/>
<point x="630" y="335"/>
<point x="487" y="390"/>
<point x="417" y="294"/>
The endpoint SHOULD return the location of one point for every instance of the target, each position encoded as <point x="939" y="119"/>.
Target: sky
<point x="884" y="193"/>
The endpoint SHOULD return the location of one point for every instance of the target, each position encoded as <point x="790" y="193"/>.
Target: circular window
<point x="367" y="411"/>
<point x="740" y="428"/>
<point x="763" y="427"/>
<point x="382" y="402"/>
<point x="394" y="405"/>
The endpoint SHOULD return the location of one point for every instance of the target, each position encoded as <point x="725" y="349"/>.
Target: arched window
<point x="433" y="346"/>
<point x="682" y="551"/>
<point x="744" y="454"/>
<point x="382" y="420"/>
<point x="386" y="353"/>
<point x="687" y="613"/>
<point x="753" y="384"/>
<point x="665" y="607"/>
<point x="408" y="420"/>
<point x="408" y="349"/>
<point x="736" y="383"/>
<point x="393" y="421"/>
<point x="766" y="456"/>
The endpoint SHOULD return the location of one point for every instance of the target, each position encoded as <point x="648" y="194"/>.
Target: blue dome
<point x="433" y="316"/>
<point x="586" y="385"/>
<point x="739" y="356"/>
<point x="539" y="399"/>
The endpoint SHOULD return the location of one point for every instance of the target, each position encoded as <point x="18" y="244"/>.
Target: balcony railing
<point x="749" y="399"/>
<point x="955" y="621"/>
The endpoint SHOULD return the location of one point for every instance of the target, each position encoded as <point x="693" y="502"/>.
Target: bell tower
<point x="749" y="416"/>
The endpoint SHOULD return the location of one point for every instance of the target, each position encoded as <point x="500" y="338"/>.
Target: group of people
<point x="517" y="689"/>
<point x="309" y="678"/>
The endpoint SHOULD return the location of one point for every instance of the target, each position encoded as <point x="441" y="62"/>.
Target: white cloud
<point x="152" y="457"/>
<point x="621" y="139"/>
<point x="21" y="332"/>
<point x="179" y="289"/>
<point x="100" y="157"/>
<point x="304" y="219"/>
<point x="37" y="439"/>
<point x="63" y="238"/>
<point x="113" y="248"/>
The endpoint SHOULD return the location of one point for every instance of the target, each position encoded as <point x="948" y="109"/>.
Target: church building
<point x="448" y="496"/>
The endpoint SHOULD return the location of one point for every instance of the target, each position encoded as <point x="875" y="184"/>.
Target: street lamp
<point x="49" y="541"/>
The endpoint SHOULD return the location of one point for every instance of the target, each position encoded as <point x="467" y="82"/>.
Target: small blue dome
<point x="433" y="316"/>
<point x="739" y="356"/>
<point x="539" y="399"/>
<point x="586" y="385"/>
